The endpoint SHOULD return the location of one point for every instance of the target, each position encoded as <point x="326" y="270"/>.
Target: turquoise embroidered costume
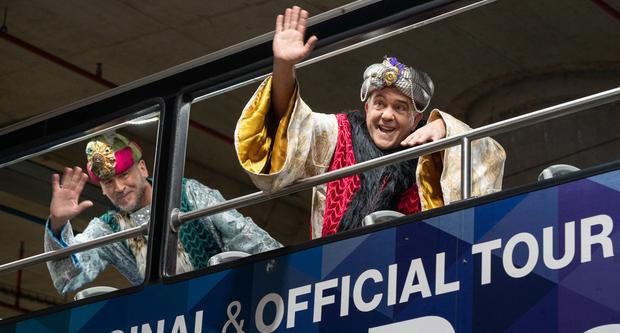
<point x="198" y="241"/>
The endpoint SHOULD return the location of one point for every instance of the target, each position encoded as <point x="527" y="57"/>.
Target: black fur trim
<point x="381" y="188"/>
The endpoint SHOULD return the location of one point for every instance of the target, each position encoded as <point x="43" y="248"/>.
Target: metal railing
<point x="463" y="139"/>
<point x="61" y="253"/>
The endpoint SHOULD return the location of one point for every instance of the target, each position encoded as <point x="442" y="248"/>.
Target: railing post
<point x="171" y="166"/>
<point x="465" y="168"/>
<point x="177" y="168"/>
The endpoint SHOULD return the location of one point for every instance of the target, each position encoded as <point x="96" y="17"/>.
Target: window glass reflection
<point x="70" y="195"/>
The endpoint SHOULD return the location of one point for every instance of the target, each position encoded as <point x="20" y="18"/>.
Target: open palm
<point x="288" y="41"/>
<point x="65" y="203"/>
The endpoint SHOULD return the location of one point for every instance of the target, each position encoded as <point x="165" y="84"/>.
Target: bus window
<point x="212" y="174"/>
<point x="113" y="196"/>
<point x="470" y="88"/>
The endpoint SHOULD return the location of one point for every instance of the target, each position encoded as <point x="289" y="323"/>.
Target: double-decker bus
<point x="537" y="255"/>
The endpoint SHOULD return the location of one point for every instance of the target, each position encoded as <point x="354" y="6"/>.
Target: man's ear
<point x="143" y="170"/>
<point x="366" y="105"/>
<point x="416" y="120"/>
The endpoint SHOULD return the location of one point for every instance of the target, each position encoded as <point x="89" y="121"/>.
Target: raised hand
<point x="432" y="131"/>
<point x="288" y="41"/>
<point x="288" y="49"/>
<point x="65" y="203"/>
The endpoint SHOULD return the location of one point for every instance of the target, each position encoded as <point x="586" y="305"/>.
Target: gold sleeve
<point x="261" y="142"/>
<point x="429" y="181"/>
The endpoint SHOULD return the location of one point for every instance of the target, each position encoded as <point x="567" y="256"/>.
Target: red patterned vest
<point x="340" y="192"/>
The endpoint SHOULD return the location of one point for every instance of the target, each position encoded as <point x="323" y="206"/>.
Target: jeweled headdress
<point x="414" y="83"/>
<point x="109" y="155"/>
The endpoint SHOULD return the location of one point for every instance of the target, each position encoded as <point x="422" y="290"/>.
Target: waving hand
<point x="65" y="203"/>
<point x="288" y="49"/>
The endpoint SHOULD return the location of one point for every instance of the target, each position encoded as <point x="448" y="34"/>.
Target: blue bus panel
<point x="542" y="261"/>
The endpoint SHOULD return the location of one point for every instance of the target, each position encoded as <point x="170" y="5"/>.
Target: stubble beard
<point x="132" y="207"/>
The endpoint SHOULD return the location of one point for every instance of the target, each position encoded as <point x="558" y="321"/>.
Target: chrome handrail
<point x="56" y="254"/>
<point x="464" y="139"/>
<point x="354" y="44"/>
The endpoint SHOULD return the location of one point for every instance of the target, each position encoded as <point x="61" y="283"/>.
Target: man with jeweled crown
<point x="305" y="143"/>
<point x="115" y="164"/>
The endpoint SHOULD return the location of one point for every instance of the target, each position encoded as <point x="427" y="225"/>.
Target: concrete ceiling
<point x="504" y="59"/>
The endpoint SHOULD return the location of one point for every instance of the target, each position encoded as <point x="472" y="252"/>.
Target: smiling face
<point x="129" y="191"/>
<point x="390" y="117"/>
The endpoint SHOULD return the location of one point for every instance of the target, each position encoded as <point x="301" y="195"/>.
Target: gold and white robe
<point x="302" y="144"/>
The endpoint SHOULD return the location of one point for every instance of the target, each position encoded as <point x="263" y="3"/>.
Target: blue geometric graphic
<point x="424" y="271"/>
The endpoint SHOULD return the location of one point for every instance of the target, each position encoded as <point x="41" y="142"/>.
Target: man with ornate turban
<point x="279" y="140"/>
<point x="116" y="164"/>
